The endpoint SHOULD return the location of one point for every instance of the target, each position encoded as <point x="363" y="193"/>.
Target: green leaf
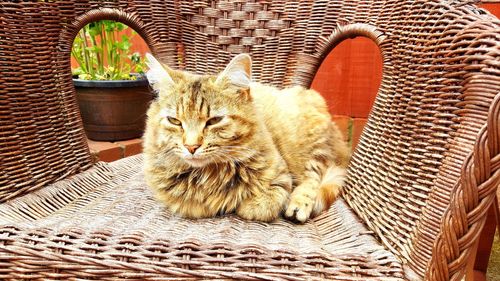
<point x="77" y="71"/>
<point x="94" y="31"/>
<point x="110" y="25"/>
<point x="124" y="46"/>
<point x="139" y="69"/>
<point x="124" y="76"/>
<point x="135" y="57"/>
<point x="91" y="49"/>
<point x="120" y="26"/>
<point x="85" y="76"/>
<point x="100" y="77"/>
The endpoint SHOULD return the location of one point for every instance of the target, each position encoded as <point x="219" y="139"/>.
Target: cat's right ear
<point x="238" y="71"/>
<point x="157" y="75"/>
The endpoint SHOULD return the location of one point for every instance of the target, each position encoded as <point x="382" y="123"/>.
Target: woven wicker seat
<point x="117" y="218"/>
<point x="419" y="185"/>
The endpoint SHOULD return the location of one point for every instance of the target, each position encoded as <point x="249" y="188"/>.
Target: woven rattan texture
<point x="424" y="124"/>
<point x="110" y="226"/>
<point x="427" y="164"/>
<point x="41" y="138"/>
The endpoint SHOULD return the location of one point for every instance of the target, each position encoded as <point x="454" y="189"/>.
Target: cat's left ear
<point x="238" y="71"/>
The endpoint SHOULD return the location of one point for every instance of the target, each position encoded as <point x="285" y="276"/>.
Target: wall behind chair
<point x="348" y="78"/>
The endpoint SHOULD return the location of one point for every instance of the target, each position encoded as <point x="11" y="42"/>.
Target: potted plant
<point x="111" y="89"/>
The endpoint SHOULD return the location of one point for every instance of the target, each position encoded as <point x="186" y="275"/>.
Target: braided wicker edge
<point x="464" y="220"/>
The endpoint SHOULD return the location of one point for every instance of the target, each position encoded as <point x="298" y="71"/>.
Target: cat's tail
<point x="329" y="189"/>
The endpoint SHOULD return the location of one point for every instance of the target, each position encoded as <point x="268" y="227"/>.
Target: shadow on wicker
<point x="419" y="184"/>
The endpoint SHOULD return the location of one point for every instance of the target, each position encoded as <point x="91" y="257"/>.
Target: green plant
<point x="103" y="52"/>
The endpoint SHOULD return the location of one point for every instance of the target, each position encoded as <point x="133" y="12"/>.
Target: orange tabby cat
<point x="221" y="144"/>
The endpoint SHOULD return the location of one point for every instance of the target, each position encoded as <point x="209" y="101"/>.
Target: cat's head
<point x="203" y="119"/>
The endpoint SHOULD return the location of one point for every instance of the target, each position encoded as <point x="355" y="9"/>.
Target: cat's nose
<point x="192" y="148"/>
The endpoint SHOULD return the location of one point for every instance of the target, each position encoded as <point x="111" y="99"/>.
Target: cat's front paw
<point x="252" y="211"/>
<point x="300" y="207"/>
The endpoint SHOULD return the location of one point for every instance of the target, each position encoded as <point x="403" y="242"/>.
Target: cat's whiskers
<point x="224" y="154"/>
<point x="219" y="159"/>
<point x="234" y="159"/>
<point x="165" y="155"/>
<point x="246" y="153"/>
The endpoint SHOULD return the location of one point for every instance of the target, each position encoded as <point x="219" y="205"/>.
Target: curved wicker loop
<point x="466" y="216"/>
<point x="131" y="19"/>
<point x="309" y="63"/>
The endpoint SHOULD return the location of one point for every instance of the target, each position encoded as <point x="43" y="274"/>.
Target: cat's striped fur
<point x="220" y="144"/>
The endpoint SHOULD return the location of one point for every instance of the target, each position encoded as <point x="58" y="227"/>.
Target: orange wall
<point x="349" y="77"/>
<point x="493" y="8"/>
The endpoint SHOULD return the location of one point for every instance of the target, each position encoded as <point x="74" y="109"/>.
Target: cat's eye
<point x="214" y="120"/>
<point x="174" y="121"/>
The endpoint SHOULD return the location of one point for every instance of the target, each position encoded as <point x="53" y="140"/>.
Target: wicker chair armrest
<point x="465" y="218"/>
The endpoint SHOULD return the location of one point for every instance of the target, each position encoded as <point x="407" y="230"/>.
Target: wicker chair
<point x="420" y="181"/>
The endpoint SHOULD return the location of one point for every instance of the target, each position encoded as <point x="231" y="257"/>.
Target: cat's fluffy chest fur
<point x="272" y="151"/>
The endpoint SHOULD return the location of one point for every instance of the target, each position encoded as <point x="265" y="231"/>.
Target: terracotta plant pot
<point x="113" y="110"/>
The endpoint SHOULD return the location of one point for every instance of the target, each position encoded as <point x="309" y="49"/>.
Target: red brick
<point x="357" y="128"/>
<point x="130" y="147"/>
<point x="105" y="151"/>
<point x="343" y="122"/>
